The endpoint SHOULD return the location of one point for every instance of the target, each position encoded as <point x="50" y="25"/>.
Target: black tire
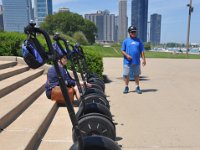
<point x="97" y="81"/>
<point x="96" y="91"/>
<point x="95" y="98"/>
<point x="96" y="86"/>
<point x="96" y="124"/>
<point x="85" y="109"/>
<point x="97" y="143"/>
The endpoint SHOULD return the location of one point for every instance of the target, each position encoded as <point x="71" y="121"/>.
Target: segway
<point x="90" y="77"/>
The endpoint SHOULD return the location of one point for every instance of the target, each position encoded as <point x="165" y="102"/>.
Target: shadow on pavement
<point x="146" y="90"/>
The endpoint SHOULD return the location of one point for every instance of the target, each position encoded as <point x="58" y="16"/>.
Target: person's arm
<point x="143" y="58"/>
<point x="68" y="80"/>
<point x="126" y="55"/>
<point x="142" y="54"/>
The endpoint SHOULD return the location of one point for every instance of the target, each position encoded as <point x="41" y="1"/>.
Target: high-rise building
<point x="139" y="17"/>
<point x="105" y="23"/>
<point x="1" y="17"/>
<point x="123" y="20"/>
<point x="1" y="9"/>
<point x="16" y="14"/>
<point x="42" y="8"/>
<point x="116" y="28"/>
<point x="63" y="9"/>
<point x="155" y="29"/>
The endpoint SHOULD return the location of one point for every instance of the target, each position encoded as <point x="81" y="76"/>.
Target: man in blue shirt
<point x="132" y="49"/>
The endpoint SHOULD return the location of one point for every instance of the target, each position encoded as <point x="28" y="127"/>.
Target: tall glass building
<point x="155" y="29"/>
<point x="123" y="20"/>
<point x="42" y="8"/>
<point x="139" y="17"/>
<point x="1" y="17"/>
<point x="105" y="23"/>
<point x="16" y="14"/>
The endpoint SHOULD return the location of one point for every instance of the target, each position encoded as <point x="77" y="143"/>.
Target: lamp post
<point x="188" y="32"/>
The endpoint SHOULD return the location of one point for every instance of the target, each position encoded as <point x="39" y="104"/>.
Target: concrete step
<point x="59" y="134"/>
<point x="12" y="83"/>
<point x="9" y="72"/>
<point x="6" y="64"/>
<point x="13" y="104"/>
<point x="28" y="129"/>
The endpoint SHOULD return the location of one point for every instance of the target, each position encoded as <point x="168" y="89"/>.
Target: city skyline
<point x="174" y="15"/>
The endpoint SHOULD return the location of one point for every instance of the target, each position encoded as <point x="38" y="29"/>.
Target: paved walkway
<point x="167" y="115"/>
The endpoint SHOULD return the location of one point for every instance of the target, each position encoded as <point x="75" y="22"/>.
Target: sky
<point x="174" y="15"/>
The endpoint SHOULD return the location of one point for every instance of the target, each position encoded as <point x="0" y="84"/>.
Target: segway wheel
<point x="96" y="124"/>
<point x="95" y="98"/>
<point x="93" y="90"/>
<point x="97" y="143"/>
<point x="93" y="108"/>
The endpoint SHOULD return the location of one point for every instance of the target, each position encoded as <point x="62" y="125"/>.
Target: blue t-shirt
<point x="134" y="48"/>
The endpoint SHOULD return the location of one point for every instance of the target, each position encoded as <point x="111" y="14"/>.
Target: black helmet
<point x="132" y="29"/>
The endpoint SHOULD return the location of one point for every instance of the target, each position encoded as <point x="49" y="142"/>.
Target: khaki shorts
<point x="56" y="95"/>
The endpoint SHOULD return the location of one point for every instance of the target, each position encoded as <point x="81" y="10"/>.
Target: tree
<point x="80" y="38"/>
<point x="90" y="30"/>
<point x="147" y="46"/>
<point x="69" y="23"/>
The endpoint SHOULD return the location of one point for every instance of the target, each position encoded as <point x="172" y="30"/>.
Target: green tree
<point x="69" y="23"/>
<point x="90" y="30"/>
<point x="80" y="38"/>
<point x="147" y="46"/>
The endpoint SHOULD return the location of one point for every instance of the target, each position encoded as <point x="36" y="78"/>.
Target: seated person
<point x="52" y="87"/>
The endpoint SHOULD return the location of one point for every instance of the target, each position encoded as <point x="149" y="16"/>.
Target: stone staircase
<point x="28" y="120"/>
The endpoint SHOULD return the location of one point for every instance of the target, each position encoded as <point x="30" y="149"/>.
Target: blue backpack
<point x="33" y="53"/>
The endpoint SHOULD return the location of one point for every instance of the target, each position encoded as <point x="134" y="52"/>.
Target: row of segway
<point x="93" y="116"/>
<point x="92" y="124"/>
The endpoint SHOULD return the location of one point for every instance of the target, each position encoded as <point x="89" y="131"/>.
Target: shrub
<point x="80" y="38"/>
<point x="10" y="43"/>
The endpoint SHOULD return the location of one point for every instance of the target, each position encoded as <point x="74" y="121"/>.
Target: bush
<point x="80" y="38"/>
<point x="10" y="43"/>
<point x="95" y="62"/>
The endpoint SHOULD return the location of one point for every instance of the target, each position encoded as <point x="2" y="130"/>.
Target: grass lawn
<point x="116" y="52"/>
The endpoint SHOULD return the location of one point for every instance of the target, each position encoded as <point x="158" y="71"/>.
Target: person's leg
<point x="56" y="95"/>
<point x="137" y="72"/>
<point x="126" y="71"/>
<point x="137" y="79"/>
<point x="77" y="94"/>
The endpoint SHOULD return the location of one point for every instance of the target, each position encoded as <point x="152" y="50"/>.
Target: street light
<point x="189" y="18"/>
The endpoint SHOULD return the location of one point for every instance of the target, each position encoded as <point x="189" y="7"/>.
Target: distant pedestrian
<point x="132" y="50"/>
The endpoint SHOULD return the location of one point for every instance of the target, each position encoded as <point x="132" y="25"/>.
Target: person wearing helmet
<point x="132" y="50"/>
<point x="52" y="87"/>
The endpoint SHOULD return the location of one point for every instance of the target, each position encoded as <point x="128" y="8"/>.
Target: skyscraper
<point x="1" y="17"/>
<point x="16" y="14"/>
<point x="105" y="23"/>
<point x="155" y="29"/>
<point x="139" y="17"/>
<point x="42" y="8"/>
<point x="116" y="28"/>
<point x="123" y="21"/>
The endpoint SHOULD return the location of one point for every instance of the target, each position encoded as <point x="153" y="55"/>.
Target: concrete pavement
<point x="167" y="115"/>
